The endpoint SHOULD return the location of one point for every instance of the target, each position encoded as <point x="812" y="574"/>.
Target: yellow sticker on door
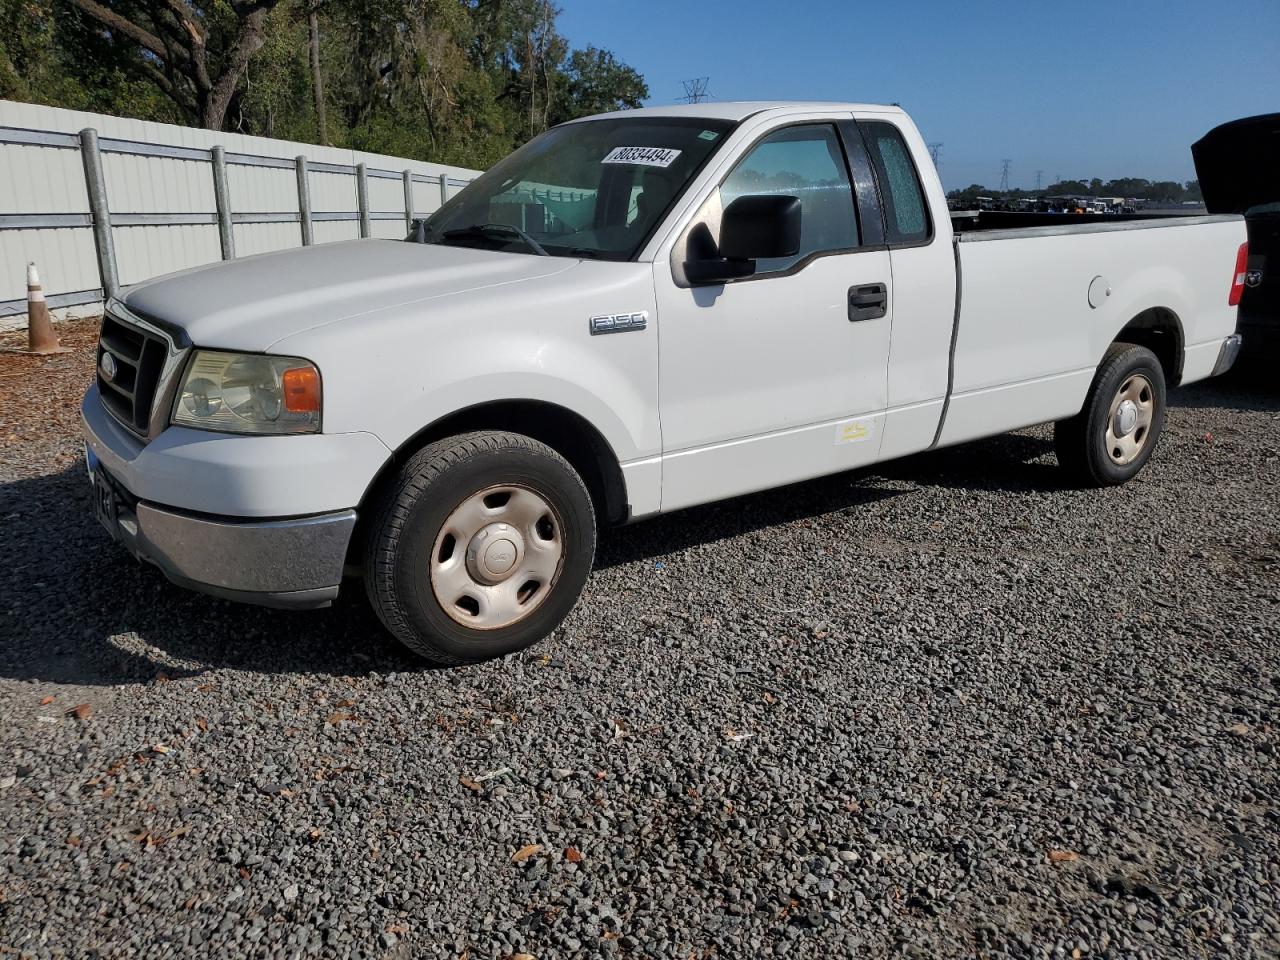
<point x="851" y="431"/>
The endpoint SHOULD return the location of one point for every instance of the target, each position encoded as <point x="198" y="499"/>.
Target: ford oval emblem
<point x="108" y="367"/>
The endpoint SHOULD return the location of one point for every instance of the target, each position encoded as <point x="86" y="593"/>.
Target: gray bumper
<point x="294" y="563"/>
<point x="1227" y="355"/>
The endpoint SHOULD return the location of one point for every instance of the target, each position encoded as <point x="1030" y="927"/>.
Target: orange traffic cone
<point x="40" y="335"/>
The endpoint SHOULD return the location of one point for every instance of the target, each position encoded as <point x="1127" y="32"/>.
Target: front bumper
<point x="295" y="563"/>
<point x="206" y="508"/>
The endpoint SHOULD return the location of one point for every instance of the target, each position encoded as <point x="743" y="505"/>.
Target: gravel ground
<point x="945" y="708"/>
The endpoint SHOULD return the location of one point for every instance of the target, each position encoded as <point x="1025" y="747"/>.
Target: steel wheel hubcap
<point x="497" y="556"/>
<point x="1129" y="422"/>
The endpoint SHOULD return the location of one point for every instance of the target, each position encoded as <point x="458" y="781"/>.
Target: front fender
<point x="617" y="410"/>
<point x="397" y="371"/>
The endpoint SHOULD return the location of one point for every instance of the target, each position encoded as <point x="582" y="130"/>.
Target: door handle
<point x="870" y="301"/>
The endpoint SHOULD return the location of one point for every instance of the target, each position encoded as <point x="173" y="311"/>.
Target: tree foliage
<point x="195" y="54"/>
<point x="455" y="81"/>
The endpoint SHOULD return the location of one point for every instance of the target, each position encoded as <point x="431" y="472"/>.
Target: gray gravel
<point x="945" y="708"/>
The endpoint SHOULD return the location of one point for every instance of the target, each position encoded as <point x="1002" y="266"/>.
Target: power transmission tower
<point x="1039" y="177"/>
<point x="935" y="151"/>
<point x="1004" y="175"/>
<point x="695" y="91"/>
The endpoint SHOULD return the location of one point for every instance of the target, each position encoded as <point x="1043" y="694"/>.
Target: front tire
<point x="480" y="546"/>
<point x="1113" y="437"/>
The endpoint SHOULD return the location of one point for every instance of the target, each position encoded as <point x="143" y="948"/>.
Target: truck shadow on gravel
<point x="1252" y="385"/>
<point x="78" y="610"/>
<point x="1010" y="463"/>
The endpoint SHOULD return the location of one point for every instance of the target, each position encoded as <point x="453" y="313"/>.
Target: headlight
<point x="248" y="393"/>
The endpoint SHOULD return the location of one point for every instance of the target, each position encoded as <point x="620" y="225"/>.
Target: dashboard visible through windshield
<point x="594" y="189"/>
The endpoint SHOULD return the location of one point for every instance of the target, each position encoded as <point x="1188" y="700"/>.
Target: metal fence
<point x="216" y="215"/>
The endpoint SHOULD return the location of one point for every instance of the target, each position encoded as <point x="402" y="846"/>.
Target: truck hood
<point x="1239" y="164"/>
<point x="252" y="303"/>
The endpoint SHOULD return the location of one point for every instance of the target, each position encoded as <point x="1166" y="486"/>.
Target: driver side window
<point x="806" y="162"/>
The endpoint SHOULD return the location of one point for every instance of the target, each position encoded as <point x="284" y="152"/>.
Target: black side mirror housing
<point x="418" y="231"/>
<point x="762" y="227"/>
<point x="758" y="227"/>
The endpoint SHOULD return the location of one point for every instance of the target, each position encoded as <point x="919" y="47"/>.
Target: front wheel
<point x="1113" y="437"/>
<point x="480" y="546"/>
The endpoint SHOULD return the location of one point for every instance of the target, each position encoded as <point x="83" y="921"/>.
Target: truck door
<point x="924" y="277"/>
<point x="780" y="376"/>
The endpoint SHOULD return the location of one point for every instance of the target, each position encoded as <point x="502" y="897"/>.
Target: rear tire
<point x="479" y="546"/>
<point x="1113" y="437"/>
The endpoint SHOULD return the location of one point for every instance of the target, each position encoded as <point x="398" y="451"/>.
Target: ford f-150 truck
<point x="632" y="314"/>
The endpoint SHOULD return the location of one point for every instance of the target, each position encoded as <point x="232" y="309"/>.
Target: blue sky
<point x="1088" y="88"/>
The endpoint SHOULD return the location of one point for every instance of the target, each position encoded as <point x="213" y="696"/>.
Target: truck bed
<point x="989" y="221"/>
<point x="1020" y="355"/>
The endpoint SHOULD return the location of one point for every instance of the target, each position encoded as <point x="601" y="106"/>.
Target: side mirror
<point x="418" y="231"/>
<point x="761" y="227"/>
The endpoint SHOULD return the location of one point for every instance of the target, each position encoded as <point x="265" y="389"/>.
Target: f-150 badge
<point x="619" y="322"/>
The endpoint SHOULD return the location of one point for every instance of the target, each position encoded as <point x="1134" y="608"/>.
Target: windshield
<point x="594" y="189"/>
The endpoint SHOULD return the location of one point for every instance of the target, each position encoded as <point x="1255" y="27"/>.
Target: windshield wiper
<point x="581" y="253"/>
<point x="488" y="229"/>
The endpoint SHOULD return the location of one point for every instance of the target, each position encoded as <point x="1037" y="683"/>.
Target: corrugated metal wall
<point x="40" y="180"/>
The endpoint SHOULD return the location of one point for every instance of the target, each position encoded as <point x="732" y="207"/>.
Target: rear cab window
<point x="906" y="213"/>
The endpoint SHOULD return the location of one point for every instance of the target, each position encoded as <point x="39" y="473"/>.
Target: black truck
<point x="1239" y="168"/>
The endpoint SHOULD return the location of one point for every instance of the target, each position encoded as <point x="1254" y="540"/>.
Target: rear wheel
<point x="480" y="546"/>
<point x="1113" y="437"/>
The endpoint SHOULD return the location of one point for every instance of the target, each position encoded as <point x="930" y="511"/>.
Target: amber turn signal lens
<point x="301" y="390"/>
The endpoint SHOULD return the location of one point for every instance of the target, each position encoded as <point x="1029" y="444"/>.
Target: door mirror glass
<point x="762" y="227"/>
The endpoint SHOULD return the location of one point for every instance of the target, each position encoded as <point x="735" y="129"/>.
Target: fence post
<point x="408" y="200"/>
<point x="222" y="197"/>
<point x="362" y="199"/>
<point x="96" y="185"/>
<point x="444" y="189"/>
<point x="304" y="201"/>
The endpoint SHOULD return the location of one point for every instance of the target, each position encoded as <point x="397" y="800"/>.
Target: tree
<point x="597" y="82"/>
<point x="317" y="79"/>
<point x="1067" y="188"/>
<point x="194" y="51"/>
<point x="25" y="35"/>
<point x="454" y="81"/>
<point x="49" y="57"/>
<point x="970" y="193"/>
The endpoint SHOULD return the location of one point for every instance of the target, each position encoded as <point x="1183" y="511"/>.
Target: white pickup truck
<point x="632" y="314"/>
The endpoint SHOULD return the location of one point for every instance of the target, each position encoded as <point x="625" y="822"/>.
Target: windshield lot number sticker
<point x="642" y="156"/>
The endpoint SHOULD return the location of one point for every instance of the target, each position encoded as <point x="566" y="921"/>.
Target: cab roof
<point x="738" y="110"/>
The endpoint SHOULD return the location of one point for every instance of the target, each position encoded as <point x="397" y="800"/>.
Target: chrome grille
<point x="134" y="362"/>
